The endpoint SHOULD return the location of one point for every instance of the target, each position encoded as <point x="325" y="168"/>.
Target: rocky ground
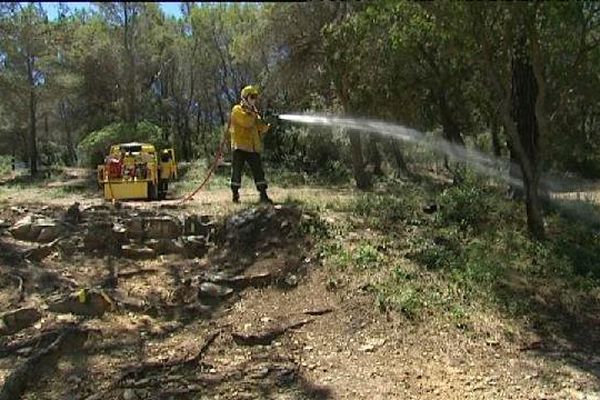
<point x="156" y="301"/>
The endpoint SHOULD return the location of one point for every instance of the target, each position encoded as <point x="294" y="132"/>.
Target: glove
<point x="250" y="109"/>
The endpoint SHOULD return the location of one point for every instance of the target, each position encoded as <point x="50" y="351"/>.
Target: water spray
<point x="482" y="162"/>
<point x="489" y="166"/>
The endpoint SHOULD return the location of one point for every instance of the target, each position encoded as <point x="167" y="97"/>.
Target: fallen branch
<point x="17" y="382"/>
<point x="266" y="337"/>
<point x="41" y="340"/>
<point x="244" y="281"/>
<point x="135" y="371"/>
<point x="319" y="311"/>
<point x="129" y="274"/>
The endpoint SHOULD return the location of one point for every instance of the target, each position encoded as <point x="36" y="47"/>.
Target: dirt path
<point x="318" y="342"/>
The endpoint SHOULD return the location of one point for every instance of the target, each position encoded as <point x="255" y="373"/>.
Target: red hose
<point x="210" y="172"/>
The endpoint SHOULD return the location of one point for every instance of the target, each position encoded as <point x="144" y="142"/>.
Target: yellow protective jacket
<point x="246" y="130"/>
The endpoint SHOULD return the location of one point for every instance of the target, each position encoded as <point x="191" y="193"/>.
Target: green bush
<point x="318" y="153"/>
<point x="94" y="147"/>
<point x="5" y="165"/>
<point x="52" y="153"/>
<point x="386" y="209"/>
<point x="578" y="247"/>
<point x="465" y="205"/>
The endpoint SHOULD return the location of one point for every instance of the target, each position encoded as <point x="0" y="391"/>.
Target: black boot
<point x="236" y="196"/>
<point x="264" y="197"/>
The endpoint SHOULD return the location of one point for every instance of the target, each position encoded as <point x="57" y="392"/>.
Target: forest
<point x="437" y="164"/>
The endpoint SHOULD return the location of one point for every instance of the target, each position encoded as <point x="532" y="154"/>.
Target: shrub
<point x="386" y="209"/>
<point x="5" y="165"/>
<point x="466" y="205"/>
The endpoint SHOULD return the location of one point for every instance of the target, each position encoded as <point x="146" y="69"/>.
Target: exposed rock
<point x="164" y="227"/>
<point x="16" y="320"/>
<point x="195" y="245"/>
<point x="127" y="301"/>
<point x="19" y="210"/>
<point x="291" y="280"/>
<point x="197" y="225"/>
<point x="41" y="252"/>
<point x="49" y="232"/>
<point x="165" y="246"/>
<point x="100" y="236"/>
<point x="212" y="290"/>
<point x="134" y="227"/>
<point x="137" y="252"/>
<point x="85" y="302"/>
<point x="22" y="228"/>
<point x="36" y="229"/>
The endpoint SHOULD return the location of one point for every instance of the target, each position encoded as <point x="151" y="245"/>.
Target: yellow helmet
<point x="248" y="90"/>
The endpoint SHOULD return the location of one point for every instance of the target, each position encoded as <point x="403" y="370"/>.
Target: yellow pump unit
<point x="137" y="171"/>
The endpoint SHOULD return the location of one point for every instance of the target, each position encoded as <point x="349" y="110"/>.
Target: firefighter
<point x="247" y="129"/>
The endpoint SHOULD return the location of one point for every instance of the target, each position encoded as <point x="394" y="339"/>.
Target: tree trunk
<point x="363" y="181"/>
<point x="515" y="191"/>
<point x="398" y="157"/>
<point x="524" y="96"/>
<point x="495" y="131"/>
<point x="375" y="157"/>
<point x="362" y="178"/>
<point x="33" y="152"/>
<point x="451" y="131"/>
<point x="71" y="154"/>
<point x="518" y="109"/>
<point x="187" y="131"/>
<point x="130" y="98"/>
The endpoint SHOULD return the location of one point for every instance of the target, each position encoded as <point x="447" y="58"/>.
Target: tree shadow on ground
<point x="563" y="331"/>
<point x="559" y="300"/>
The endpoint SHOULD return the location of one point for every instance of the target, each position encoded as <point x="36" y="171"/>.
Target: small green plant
<point x="435" y="257"/>
<point x="386" y="211"/>
<point x="401" y="275"/>
<point x="334" y="253"/>
<point x="406" y="299"/>
<point x="366" y="256"/>
<point x="313" y="226"/>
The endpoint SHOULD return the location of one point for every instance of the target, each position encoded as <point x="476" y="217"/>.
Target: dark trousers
<point x="239" y="158"/>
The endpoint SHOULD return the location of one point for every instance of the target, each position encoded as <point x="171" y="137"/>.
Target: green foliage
<point x="387" y="210"/>
<point x="435" y="257"/>
<point x="465" y="205"/>
<point x="95" y="146"/>
<point x="320" y="154"/>
<point x="313" y="226"/>
<point x="405" y="298"/>
<point x="367" y="256"/>
<point x="577" y="249"/>
<point x="5" y="165"/>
